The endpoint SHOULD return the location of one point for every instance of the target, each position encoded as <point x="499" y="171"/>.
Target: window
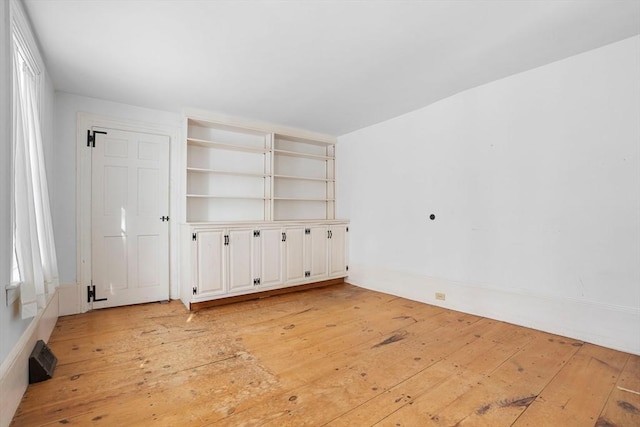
<point x="34" y="258"/>
<point x="25" y="67"/>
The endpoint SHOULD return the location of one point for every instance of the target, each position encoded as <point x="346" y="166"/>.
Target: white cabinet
<point x="255" y="258"/>
<point x="220" y="262"/>
<point x="305" y="254"/>
<point x="313" y="253"/>
<point x="229" y="261"/>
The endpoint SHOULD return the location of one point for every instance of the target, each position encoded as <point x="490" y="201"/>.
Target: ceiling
<point x="327" y="66"/>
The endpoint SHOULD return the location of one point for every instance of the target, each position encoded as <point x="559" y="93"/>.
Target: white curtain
<point x="33" y="231"/>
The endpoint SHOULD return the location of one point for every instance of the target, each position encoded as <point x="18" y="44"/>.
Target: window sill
<point x="13" y="293"/>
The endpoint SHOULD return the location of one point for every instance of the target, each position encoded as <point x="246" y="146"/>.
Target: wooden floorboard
<point x="338" y="355"/>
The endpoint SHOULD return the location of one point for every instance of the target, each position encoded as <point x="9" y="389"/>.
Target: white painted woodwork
<point x="294" y="260"/>
<point x="130" y="194"/>
<point x="242" y="269"/>
<point x="338" y="250"/>
<point x="14" y="376"/>
<point x="316" y="255"/>
<point x="227" y="172"/>
<point x="76" y="270"/>
<point x="271" y="257"/>
<point x="304" y="179"/>
<point x="261" y="186"/>
<point x="257" y="173"/>
<point x="209" y="268"/>
<point x="229" y="270"/>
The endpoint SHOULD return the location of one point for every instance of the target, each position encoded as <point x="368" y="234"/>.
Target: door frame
<point x="83" y="196"/>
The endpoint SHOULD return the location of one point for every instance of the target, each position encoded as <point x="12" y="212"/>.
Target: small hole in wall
<point x="432" y="217"/>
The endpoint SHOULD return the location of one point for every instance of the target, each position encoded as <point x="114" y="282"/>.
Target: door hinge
<point x="91" y="294"/>
<point x="226" y="240"/>
<point x="307" y="274"/>
<point x="194" y="237"/>
<point x="284" y="237"/>
<point x="329" y="234"/>
<point x="307" y="231"/>
<point x="347" y="229"/>
<point x="91" y="137"/>
<point x="256" y="233"/>
<point x="164" y="218"/>
<point x="347" y="268"/>
<point x="256" y="282"/>
<point x="195" y="290"/>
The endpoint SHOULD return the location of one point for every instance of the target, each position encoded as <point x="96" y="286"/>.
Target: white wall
<point x="535" y="183"/>
<point x="67" y="107"/>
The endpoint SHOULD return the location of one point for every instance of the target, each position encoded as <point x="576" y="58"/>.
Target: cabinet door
<point x="271" y="243"/>
<point x="294" y="260"/>
<point x="316" y="254"/>
<point x="338" y="250"/>
<point x="210" y="265"/>
<point x="241" y="260"/>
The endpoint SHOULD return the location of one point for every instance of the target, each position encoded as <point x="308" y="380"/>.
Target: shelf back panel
<point x="296" y="210"/>
<point x="296" y="166"/>
<point x="214" y="210"/>
<point x="300" y="189"/>
<point x="225" y="185"/>
<point x="224" y="160"/>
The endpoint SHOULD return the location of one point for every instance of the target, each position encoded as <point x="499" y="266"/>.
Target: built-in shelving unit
<point x="260" y="210"/>
<point x="304" y="178"/>
<point x="228" y="175"/>
<point x="252" y="173"/>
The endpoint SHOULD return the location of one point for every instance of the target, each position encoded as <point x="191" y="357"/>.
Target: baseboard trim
<point x="70" y="297"/>
<point x="597" y="323"/>
<point x="14" y="372"/>
<point x="195" y="306"/>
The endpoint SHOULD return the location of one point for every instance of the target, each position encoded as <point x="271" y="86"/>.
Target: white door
<point x="271" y="242"/>
<point x="316" y="252"/>
<point x="338" y="250"/>
<point x="242" y="271"/>
<point x="294" y="255"/>
<point x="129" y="211"/>
<point x="210" y="268"/>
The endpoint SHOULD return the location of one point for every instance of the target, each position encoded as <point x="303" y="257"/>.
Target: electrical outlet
<point x="440" y="296"/>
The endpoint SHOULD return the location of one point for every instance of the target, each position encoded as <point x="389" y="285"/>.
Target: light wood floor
<point x="339" y="356"/>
